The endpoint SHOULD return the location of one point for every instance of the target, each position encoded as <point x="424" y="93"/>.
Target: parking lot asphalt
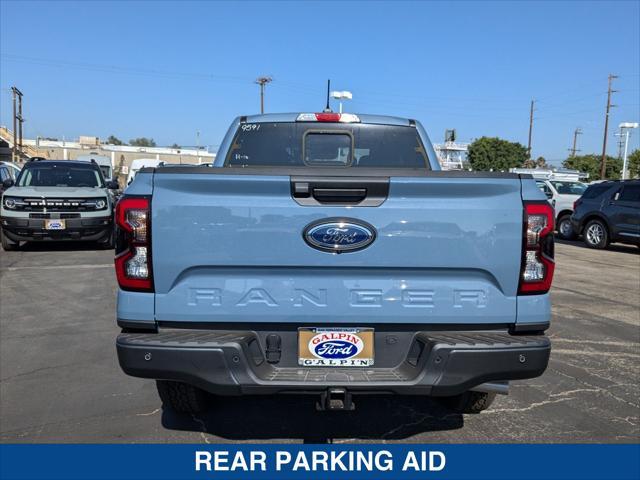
<point x="60" y="380"/>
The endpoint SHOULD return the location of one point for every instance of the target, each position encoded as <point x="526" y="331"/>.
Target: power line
<point x="122" y="69"/>
<point x="572" y="100"/>
<point x="302" y="88"/>
<point x="603" y="165"/>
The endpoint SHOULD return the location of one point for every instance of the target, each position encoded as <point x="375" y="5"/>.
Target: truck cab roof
<point x="294" y="116"/>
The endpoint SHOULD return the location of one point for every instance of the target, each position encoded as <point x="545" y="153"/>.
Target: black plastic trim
<point x="223" y="363"/>
<point x="352" y="191"/>
<point x="137" y="325"/>
<point x="332" y="172"/>
<point x="529" y="327"/>
<point x="379" y="327"/>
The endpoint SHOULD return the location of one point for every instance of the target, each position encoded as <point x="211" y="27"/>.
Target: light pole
<point x="625" y="127"/>
<point x="262" y="81"/>
<point x="344" y="95"/>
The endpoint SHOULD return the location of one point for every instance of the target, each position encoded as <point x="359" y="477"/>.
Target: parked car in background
<point x="140" y="163"/>
<point x="11" y="169"/>
<point x="562" y="194"/>
<point x="562" y="187"/>
<point x="102" y="161"/>
<point x="57" y="200"/>
<point x="8" y="171"/>
<point x="608" y="212"/>
<point x="108" y="172"/>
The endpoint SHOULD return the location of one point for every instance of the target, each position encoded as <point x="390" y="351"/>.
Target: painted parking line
<point x="59" y="267"/>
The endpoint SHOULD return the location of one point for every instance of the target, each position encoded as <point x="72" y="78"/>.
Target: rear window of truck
<point x="326" y="145"/>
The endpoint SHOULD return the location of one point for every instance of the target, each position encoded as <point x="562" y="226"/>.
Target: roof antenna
<point x="327" y="109"/>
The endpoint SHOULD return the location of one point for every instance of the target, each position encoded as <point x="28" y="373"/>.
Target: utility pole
<point x="15" y="128"/>
<point x="603" y="162"/>
<point x="530" y="128"/>
<point x="262" y="81"/>
<point x="16" y="152"/>
<point x="620" y="136"/>
<point x="573" y="150"/>
<point x="197" y="146"/>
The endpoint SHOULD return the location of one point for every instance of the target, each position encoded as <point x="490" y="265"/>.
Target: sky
<point x="181" y="71"/>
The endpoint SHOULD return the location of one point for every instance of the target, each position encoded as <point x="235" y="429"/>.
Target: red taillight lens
<point x="536" y="273"/>
<point x="133" y="244"/>
<point x="328" y="117"/>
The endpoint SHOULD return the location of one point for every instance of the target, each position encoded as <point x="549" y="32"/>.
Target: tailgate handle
<point x="339" y="195"/>
<point x="335" y="191"/>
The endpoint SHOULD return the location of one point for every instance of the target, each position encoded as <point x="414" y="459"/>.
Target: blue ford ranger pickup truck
<point x="327" y="254"/>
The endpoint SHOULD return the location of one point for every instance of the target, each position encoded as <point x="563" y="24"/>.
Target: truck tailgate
<point x="230" y="248"/>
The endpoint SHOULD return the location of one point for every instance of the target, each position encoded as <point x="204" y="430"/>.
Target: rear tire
<point x="469" y="402"/>
<point x="7" y="244"/>
<point x="596" y="235"/>
<point x="565" y="229"/>
<point x="182" y="397"/>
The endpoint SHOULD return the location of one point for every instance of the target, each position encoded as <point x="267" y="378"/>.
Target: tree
<point x="633" y="164"/>
<point x="113" y="140"/>
<point x="142" y="142"/>
<point x="591" y="164"/>
<point x="541" y="162"/>
<point x="176" y="146"/>
<point x="492" y="153"/>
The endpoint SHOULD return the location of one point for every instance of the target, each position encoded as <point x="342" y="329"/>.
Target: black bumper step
<point x="233" y="362"/>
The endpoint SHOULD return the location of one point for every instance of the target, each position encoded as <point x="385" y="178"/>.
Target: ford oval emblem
<point x="339" y="235"/>
<point x="335" y="346"/>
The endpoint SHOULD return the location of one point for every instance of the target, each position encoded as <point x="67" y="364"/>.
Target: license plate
<point x="335" y="347"/>
<point x="54" y="224"/>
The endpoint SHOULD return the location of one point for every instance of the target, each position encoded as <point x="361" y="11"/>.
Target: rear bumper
<point x="32" y="229"/>
<point x="233" y="363"/>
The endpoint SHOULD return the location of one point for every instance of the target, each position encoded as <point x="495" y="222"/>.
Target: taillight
<point x="536" y="273"/>
<point x="328" y="117"/>
<point x="133" y="244"/>
<point x="575" y="204"/>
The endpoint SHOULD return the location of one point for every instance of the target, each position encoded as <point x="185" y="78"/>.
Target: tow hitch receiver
<point x="335" y="399"/>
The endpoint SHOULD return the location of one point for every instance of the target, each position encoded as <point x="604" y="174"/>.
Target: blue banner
<point x="310" y="462"/>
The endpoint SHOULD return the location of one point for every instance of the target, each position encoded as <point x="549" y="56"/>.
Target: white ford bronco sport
<point x="57" y="200"/>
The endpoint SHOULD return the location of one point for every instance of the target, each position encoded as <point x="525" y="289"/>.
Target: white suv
<point x="561" y="195"/>
<point x="57" y="200"/>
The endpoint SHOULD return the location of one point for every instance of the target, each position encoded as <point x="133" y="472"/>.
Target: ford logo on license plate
<point x="339" y="235"/>
<point x="335" y="347"/>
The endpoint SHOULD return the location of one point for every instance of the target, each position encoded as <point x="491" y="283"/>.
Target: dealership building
<point x="121" y="156"/>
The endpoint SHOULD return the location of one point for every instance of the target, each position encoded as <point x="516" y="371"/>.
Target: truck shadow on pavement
<point x="289" y="417"/>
